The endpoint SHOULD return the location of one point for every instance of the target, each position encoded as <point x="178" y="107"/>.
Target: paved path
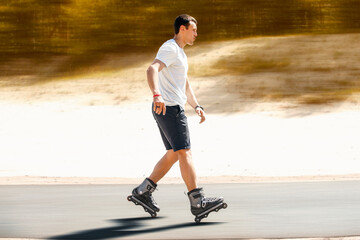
<point x="265" y="210"/>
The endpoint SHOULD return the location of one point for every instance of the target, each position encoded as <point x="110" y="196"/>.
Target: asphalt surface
<point x="256" y="210"/>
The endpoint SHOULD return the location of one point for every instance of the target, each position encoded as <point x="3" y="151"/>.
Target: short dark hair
<point x="183" y="19"/>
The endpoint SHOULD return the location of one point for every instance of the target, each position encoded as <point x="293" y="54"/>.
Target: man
<point x="168" y="82"/>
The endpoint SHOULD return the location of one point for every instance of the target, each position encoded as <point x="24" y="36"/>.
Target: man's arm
<point x="191" y="99"/>
<point x="152" y="79"/>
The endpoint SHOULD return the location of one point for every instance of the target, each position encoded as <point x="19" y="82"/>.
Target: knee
<point x="171" y="156"/>
<point x="184" y="154"/>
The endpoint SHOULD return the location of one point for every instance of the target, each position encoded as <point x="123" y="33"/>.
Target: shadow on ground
<point x="124" y="228"/>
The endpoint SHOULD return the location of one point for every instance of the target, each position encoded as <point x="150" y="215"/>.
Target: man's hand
<point x="201" y="114"/>
<point x="159" y="105"/>
<point x="152" y="78"/>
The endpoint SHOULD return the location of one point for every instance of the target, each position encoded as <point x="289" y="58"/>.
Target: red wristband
<point x="156" y="95"/>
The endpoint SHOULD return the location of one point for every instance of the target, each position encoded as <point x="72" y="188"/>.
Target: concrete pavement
<point x="256" y="210"/>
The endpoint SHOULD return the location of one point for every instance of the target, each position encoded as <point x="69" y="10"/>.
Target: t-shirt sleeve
<point x="167" y="54"/>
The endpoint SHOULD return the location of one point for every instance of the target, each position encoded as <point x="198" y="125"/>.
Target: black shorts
<point x="173" y="128"/>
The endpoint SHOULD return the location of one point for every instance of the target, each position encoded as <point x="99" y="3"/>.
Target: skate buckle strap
<point x="150" y="188"/>
<point x="198" y="195"/>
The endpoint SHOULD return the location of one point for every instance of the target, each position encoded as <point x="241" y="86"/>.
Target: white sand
<point x="110" y="141"/>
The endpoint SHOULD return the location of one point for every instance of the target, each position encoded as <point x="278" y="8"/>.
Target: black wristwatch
<point x="199" y="106"/>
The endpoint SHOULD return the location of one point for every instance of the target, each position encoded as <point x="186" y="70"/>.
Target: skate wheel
<point x="153" y="215"/>
<point x="225" y="205"/>
<point x="216" y="210"/>
<point x="129" y="198"/>
<point x="197" y="220"/>
<point x="145" y="209"/>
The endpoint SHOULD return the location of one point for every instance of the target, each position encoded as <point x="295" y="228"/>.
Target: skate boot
<point x="201" y="206"/>
<point x="142" y="195"/>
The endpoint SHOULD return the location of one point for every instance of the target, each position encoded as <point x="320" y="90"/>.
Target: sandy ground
<point x="97" y="127"/>
<point x="108" y="141"/>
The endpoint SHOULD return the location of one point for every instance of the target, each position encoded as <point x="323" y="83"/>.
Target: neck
<point x="179" y="41"/>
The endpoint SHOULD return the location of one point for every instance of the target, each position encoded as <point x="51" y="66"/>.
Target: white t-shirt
<point x="172" y="78"/>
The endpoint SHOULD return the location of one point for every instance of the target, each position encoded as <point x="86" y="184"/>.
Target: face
<point x="190" y="34"/>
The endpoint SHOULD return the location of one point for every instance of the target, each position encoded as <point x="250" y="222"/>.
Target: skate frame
<point x="146" y="207"/>
<point x="206" y="213"/>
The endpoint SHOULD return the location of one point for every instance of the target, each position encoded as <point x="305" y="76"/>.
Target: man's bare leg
<point x="163" y="166"/>
<point x="187" y="168"/>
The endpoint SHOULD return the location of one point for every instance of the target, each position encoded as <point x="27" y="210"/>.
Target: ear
<point x="182" y="28"/>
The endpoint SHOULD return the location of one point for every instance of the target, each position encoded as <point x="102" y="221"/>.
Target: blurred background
<point x="41" y="40"/>
<point x="75" y="34"/>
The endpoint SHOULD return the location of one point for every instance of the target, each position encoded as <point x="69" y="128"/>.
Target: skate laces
<point x="207" y="200"/>
<point x="152" y="199"/>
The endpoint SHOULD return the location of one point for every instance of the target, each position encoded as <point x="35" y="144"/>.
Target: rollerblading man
<point x="171" y="89"/>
